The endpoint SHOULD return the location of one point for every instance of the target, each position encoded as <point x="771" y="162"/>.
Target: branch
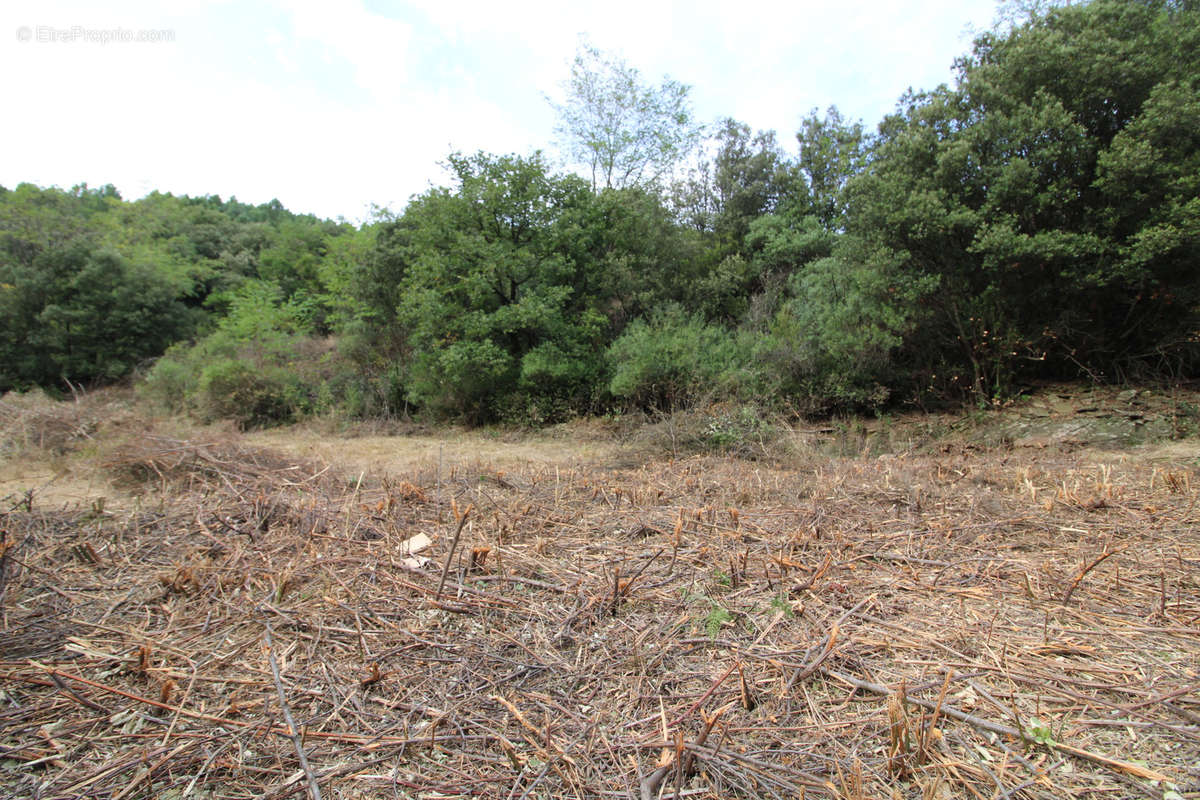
<point x="982" y="724"/>
<point x="1085" y="570"/>
<point x="462" y="521"/>
<point x="313" y="789"/>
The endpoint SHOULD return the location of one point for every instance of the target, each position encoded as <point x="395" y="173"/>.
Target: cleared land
<point x="993" y="610"/>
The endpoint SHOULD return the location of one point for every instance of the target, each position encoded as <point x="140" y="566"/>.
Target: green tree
<point x="91" y="286"/>
<point x="1046" y="202"/>
<point x="832" y="151"/>
<point x="294" y="260"/>
<point x="718" y="204"/>
<point x="671" y="360"/>
<point x="833" y="340"/>
<point x="626" y="132"/>
<point x="751" y="176"/>
<point x="633" y="256"/>
<point x="495" y="305"/>
<point x="82" y="316"/>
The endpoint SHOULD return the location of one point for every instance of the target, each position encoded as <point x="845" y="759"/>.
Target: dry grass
<point x="973" y="623"/>
<point x="35" y="422"/>
<point x="411" y="451"/>
<point x="40" y="437"/>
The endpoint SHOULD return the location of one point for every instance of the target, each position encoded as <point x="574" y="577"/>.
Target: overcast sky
<point x="334" y="106"/>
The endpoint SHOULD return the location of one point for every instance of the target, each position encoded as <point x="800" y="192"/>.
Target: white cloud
<point x="334" y="106"/>
<point x="376" y="47"/>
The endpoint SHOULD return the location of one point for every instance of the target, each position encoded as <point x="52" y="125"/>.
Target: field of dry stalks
<point x="947" y="621"/>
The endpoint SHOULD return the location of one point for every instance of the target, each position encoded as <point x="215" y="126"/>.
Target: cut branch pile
<point x="970" y="625"/>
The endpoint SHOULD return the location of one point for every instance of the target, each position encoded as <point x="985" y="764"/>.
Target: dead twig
<point x="313" y="789"/>
<point x="715" y="684"/>
<point x="1085" y="569"/>
<point x="801" y="674"/>
<point x="462" y="521"/>
<point x="1004" y="730"/>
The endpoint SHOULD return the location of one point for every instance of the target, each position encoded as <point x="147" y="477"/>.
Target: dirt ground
<point x="399" y="455"/>
<point x="990" y="605"/>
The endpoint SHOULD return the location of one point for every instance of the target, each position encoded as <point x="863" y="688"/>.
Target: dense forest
<point x="1038" y="220"/>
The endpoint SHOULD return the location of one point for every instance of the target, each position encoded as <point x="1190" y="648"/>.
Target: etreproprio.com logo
<point x="79" y="34"/>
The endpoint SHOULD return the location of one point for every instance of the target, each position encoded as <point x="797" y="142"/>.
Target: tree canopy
<point x="627" y="132"/>
<point x="1026" y="197"/>
<point x="1038" y="219"/>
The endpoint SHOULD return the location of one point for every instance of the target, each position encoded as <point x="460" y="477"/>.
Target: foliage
<point x="831" y="344"/>
<point x="633" y="256"/>
<point x="670" y="361"/>
<point x="494" y="298"/>
<point x="249" y="394"/>
<point x="1037" y="220"/>
<point x="1027" y="207"/>
<point x="715" y="620"/>
<point x="749" y="176"/>
<point x="259" y="367"/>
<point x="832" y="151"/>
<point x="739" y="430"/>
<point x="76" y="316"/>
<point x="720" y="203"/>
<point x="626" y="132"/>
<point x="1039" y="733"/>
<point x="92" y="286"/>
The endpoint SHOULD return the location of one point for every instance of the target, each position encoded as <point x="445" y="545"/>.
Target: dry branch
<point x="134" y="638"/>
<point x="1000" y="729"/>
<point x="1085" y="569"/>
<point x="462" y="521"/>
<point x="293" y="732"/>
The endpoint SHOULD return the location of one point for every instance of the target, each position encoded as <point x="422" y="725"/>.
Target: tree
<point x="671" y="360"/>
<point x="626" y="132"/>
<point x="832" y="151"/>
<point x="82" y="315"/>
<point x="92" y="286"/>
<point x="1046" y="203"/>
<point x="750" y="177"/>
<point x="495" y="304"/>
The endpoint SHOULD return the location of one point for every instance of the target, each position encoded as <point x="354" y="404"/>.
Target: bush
<point x="738" y="430"/>
<point x="171" y="382"/>
<point x="250" y="396"/>
<point x="832" y="344"/>
<point x="258" y="368"/>
<point x="671" y="361"/>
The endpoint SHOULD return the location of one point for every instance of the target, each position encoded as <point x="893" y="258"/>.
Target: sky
<point x="336" y="108"/>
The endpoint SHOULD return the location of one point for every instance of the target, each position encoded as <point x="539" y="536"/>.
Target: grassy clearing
<point x="962" y="616"/>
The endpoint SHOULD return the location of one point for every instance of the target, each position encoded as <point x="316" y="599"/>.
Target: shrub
<point x="671" y="361"/>
<point x="258" y="368"/>
<point x="171" y="382"/>
<point x="250" y="396"/>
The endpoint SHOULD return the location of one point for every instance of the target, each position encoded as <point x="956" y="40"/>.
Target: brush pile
<point x="33" y="421"/>
<point x="970" y="624"/>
